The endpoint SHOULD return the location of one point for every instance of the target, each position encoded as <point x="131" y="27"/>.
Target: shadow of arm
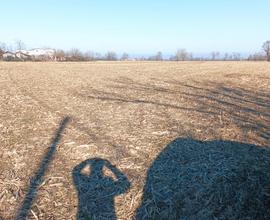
<point x="122" y="183"/>
<point x="76" y="173"/>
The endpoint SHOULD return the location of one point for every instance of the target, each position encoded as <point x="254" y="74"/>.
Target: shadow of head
<point x="192" y="179"/>
<point x="97" y="182"/>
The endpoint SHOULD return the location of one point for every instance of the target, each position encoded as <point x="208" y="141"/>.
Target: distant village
<point x="48" y="54"/>
<point x="40" y="54"/>
<point x="30" y="55"/>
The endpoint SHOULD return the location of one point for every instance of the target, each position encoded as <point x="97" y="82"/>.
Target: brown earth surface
<point x="123" y="112"/>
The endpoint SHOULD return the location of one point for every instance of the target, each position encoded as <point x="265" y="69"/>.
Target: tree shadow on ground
<point x="193" y="179"/>
<point x="245" y="108"/>
<point x="96" y="190"/>
<point x="37" y="179"/>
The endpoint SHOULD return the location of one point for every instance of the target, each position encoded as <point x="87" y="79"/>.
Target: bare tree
<point x="3" y="46"/>
<point x="89" y="55"/>
<point x="98" y="56"/>
<point x="75" y="55"/>
<point x="190" y="56"/>
<point x="125" y="56"/>
<point x="1" y="54"/>
<point x="266" y="49"/>
<point x="141" y="58"/>
<point x="60" y="55"/>
<point x="181" y="55"/>
<point x="111" y="56"/>
<point x="20" y="45"/>
<point x="74" y="52"/>
<point x="215" y="55"/>
<point x="257" y="57"/>
<point x="236" y="56"/>
<point x="159" y="56"/>
<point x="226" y="56"/>
<point x="2" y="49"/>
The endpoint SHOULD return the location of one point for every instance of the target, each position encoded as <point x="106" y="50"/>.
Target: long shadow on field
<point x="225" y="106"/>
<point x="97" y="189"/>
<point x="248" y="109"/>
<point x="36" y="180"/>
<point x="193" y="179"/>
<point x="120" y="98"/>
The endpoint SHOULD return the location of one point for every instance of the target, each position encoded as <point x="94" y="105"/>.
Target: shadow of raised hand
<point x="96" y="191"/>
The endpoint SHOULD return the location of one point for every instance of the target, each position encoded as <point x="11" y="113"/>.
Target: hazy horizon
<point x="138" y="28"/>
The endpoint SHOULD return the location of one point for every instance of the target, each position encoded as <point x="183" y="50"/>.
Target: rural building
<point x="34" y="54"/>
<point x="60" y="58"/>
<point x="22" y="56"/>
<point x="40" y="54"/>
<point x="9" y="56"/>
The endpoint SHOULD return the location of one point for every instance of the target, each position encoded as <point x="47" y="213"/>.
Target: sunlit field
<point x="168" y="137"/>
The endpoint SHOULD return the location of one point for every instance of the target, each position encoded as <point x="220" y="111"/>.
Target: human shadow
<point x="37" y="179"/>
<point x="96" y="191"/>
<point x="193" y="179"/>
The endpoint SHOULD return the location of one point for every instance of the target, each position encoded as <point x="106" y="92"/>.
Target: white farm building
<point x="39" y="54"/>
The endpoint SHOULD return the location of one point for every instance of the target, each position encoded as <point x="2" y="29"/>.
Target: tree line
<point x="76" y="54"/>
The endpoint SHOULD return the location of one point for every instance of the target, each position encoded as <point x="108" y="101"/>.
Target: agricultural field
<point x="144" y="140"/>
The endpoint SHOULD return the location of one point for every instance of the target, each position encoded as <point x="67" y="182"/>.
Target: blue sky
<point x="138" y="27"/>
